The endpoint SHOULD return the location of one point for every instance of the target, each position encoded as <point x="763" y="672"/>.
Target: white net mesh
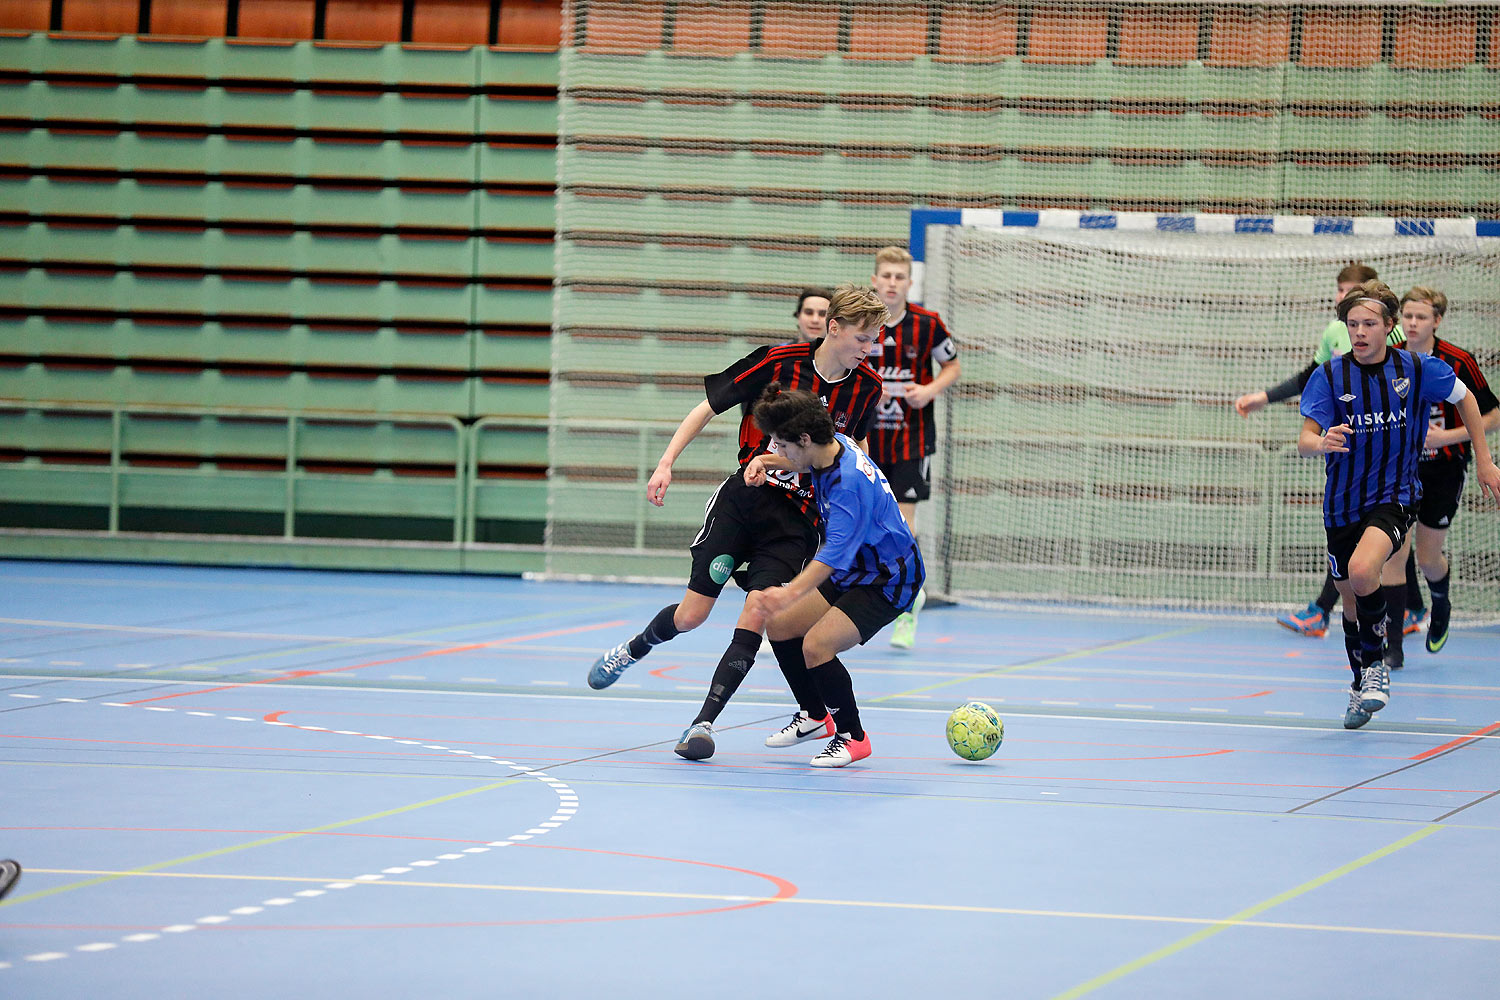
<point x="715" y="157"/>
<point x="1092" y="452"/>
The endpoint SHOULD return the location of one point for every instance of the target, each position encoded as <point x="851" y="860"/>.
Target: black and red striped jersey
<point x="1446" y="414"/>
<point x="851" y="400"/>
<point x="910" y="353"/>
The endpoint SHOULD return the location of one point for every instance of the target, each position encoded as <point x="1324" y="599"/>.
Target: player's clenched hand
<point x="656" y="489"/>
<point x="755" y="472"/>
<point x="1335" y="438"/>
<point x="1249" y="403"/>
<point x="919" y="395"/>
<point x="772" y="601"/>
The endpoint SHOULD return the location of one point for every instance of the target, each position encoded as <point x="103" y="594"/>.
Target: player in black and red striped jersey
<point x="761" y="537"/>
<point x="904" y="435"/>
<point x="1445" y="462"/>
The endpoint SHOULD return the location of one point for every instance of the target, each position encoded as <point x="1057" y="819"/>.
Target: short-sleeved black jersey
<point x="851" y="401"/>
<point x="908" y="351"/>
<point x="1446" y="414"/>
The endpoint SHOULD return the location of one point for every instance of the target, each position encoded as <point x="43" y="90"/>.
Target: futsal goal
<point x="1091" y="453"/>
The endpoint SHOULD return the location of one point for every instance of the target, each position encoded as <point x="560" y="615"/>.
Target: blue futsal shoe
<point x="697" y="742"/>
<point x="1355" y="715"/>
<point x="608" y="668"/>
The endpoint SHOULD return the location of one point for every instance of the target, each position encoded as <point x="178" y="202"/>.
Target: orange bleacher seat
<point x="714" y="30"/>
<point x="1158" y="37"/>
<point x="292" y="19"/>
<point x="792" y="31"/>
<point x="1249" y="36"/>
<point x="622" y="28"/>
<point x="105" y="17"/>
<point x="26" y="15"/>
<point x="889" y="31"/>
<point x="194" y="18"/>
<point x="362" y="21"/>
<point x="1435" y="39"/>
<point x="451" y="22"/>
<point x="977" y="33"/>
<point x="1067" y="36"/>
<point x="534" y="23"/>
<point x="1340" y="38"/>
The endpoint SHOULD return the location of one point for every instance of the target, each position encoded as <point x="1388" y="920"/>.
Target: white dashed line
<point x="1197" y="709"/>
<point x="1293" y="714"/>
<point x="568" y="800"/>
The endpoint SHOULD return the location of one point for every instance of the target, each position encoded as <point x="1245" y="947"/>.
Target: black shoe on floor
<point x="10" y="874"/>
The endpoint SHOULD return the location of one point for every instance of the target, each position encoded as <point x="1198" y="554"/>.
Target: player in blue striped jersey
<point x="1367" y="413"/>
<point x="867" y="571"/>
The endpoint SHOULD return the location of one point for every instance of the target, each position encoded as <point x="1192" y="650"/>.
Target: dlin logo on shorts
<point x="721" y="568"/>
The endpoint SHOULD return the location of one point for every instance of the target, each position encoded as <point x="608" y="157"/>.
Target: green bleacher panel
<point x="218" y="154"/>
<point x="517" y="163"/>
<point x="184" y="385"/>
<point x="519" y="258"/>
<point x="212" y="295"/>
<point x="497" y="395"/>
<point x="499" y="303"/>
<point x="214" y="201"/>
<point x="511" y="210"/>
<point x="214" y="343"/>
<point x="505" y="114"/>
<point x="514" y="350"/>
<point x="282" y="252"/>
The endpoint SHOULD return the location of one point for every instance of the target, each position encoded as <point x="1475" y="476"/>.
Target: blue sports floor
<point x="239" y="783"/>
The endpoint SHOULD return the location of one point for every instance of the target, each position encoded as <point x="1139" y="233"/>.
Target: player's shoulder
<point x="917" y="310"/>
<point x="1451" y="352"/>
<point x="866" y="372"/>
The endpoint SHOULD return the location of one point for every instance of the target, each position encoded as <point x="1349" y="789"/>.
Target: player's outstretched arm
<point x="1484" y="463"/>
<point x="692" y="425"/>
<point x="1250" y="402"/>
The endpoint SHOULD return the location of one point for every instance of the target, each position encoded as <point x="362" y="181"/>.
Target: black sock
<point x="1395" y="622"/>
<point x="1371" y="624"/>
<point x="1328" y="596"/>
<point x="733" y="666"/>
<point x="837" y="689"/>
<point x="661" y="629"/>
<point x="1351" y="646"/>
<point x="1439" y="589"/>
<point x="798" y="677"/>
<point x="1413" y="588"/>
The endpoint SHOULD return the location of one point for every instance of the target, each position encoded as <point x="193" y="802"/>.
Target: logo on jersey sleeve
<point x="1401" y="385"/>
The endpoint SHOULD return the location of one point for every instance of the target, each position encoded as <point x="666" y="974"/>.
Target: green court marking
<point x="147" y="869"/>
<point x="1043" y="662"/>
<point x="1243" y="917"/>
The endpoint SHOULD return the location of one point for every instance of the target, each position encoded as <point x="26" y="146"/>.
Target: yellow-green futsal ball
<point x="975" y="731"/>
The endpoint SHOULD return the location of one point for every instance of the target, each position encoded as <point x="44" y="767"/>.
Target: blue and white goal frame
<point x="1201" y="222"/>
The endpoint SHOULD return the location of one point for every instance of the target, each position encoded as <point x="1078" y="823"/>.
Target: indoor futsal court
<point x="235" y="782"/>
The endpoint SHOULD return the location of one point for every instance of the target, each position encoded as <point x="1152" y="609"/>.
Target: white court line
<point x="777" y="706"/>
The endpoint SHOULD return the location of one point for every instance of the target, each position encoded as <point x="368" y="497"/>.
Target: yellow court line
<point x="1045" y="661"/>
<point x="1242" y="918"/>
<point x="155" y="868"/>
<point x="1211" y="923"/>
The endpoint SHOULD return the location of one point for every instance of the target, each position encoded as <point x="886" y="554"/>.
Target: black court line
<point x="1387" y="774"/>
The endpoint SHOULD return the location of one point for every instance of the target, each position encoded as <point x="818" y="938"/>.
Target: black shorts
<point x="1442" y="488"/>
<point x="1392" y="518"/>
<point x="754" y="534"/>
<point x="911" y="480"/>
<point x="866" y="607"/>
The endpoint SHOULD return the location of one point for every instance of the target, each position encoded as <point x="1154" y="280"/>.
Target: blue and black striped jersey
<point x="1386" y="406"/>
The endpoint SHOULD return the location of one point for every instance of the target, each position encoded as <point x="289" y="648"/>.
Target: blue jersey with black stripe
<point x="1386" y="406"/>
<point x="865" y="538"/>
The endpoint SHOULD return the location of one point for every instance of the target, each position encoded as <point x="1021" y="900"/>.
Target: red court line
<point x="297" y="674"/>
<point x="1453" y="743"/>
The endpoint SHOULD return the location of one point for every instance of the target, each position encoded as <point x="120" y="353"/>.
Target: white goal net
<point x="1091" y="452"/>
